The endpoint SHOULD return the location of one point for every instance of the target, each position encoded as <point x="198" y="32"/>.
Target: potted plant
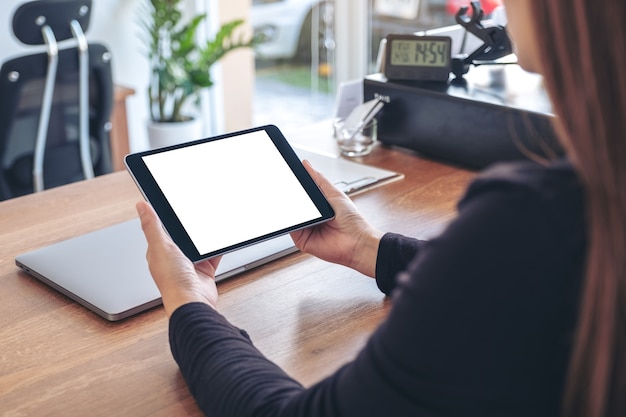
<point x="180" y="65"/>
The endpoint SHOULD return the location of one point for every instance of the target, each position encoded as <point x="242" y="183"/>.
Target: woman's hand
<point x="347" y="239"/>
<point x="178" y="279"/>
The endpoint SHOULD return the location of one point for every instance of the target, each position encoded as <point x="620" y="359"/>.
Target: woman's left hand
<point x="178" y="279"/>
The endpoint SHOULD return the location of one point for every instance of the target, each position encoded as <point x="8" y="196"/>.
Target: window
<point x="313" y="45"/>
<point x="295" y="80"/>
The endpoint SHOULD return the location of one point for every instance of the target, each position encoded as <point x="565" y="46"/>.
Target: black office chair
<point x="54" y="106"/>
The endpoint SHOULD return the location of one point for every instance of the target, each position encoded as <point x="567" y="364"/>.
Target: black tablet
<point x="222" y="193"/>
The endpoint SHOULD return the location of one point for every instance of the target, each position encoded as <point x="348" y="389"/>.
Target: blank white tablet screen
<point x="231" y="190"/>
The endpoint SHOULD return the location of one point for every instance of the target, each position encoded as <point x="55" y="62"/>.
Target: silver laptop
<point x="106" y="270"/>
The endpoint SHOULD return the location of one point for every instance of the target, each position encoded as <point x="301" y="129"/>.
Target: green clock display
<point x="418" y="58"/>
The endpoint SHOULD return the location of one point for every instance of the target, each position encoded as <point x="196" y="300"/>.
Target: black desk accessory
<point x="494" y="113"/>
<point x="418" y="58"/>
<point x="496" y="42"/>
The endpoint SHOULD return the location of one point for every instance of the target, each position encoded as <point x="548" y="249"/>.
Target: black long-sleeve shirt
<point x="481" y="324"/>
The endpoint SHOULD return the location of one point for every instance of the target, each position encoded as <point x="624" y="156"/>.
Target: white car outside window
<point x="286" y="24"/>
<point x="281" y="22"/>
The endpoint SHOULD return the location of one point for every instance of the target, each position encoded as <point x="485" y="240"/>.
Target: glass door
<point x="312" y="46"/>
<point x="295" y="66"/>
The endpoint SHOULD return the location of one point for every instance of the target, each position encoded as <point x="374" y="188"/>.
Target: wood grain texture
<point x="310" y="317"/>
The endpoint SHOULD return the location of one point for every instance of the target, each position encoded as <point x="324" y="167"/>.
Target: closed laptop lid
<point x="107" y="272"/>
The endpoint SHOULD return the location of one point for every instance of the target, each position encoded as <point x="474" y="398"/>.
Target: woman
<point x="536" y="290"/>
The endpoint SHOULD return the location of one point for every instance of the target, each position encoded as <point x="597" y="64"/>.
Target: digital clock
<point x="418" y="58"/>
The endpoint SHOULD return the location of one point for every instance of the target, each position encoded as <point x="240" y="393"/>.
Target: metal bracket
<point x="46" y="105"/>
<point x="496" y="42"/>
<point x="83" y="99"/>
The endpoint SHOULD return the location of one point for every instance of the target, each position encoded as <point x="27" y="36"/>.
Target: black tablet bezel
<point x="153" y="194"/>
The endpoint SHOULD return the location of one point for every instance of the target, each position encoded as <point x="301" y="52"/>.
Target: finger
<point x="150" y="223"/>
<point x="209" y="266"/>
<point x="325" y="185"/>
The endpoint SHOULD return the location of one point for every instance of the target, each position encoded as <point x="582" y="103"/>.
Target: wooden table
<point x="310" y="317"/>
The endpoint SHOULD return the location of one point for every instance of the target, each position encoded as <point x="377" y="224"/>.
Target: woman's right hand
<point x="178" y="279"/>
<point x="348" y="239"/>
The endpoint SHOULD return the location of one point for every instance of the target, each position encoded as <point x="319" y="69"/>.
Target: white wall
<point x="352" y="36"/>
<point x="237" y="71"/>
<point x="115" y="23"/>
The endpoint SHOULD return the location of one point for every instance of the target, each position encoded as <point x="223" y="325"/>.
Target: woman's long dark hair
<point x="583" y="60"/>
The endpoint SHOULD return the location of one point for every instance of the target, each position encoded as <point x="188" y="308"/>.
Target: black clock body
<point x="418" y="58"/>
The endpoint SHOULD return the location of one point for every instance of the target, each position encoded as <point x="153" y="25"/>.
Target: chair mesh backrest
<point x="22" y="81"/>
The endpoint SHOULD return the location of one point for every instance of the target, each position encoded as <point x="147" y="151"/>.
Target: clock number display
<point x="417" y="57"/>
<point x="425" y="53"/>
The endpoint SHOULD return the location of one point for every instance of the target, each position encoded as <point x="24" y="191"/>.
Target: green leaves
<point x="180" y="67"/>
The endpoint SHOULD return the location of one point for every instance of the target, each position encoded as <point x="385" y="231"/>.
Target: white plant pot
<point x="168" y="134"/>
